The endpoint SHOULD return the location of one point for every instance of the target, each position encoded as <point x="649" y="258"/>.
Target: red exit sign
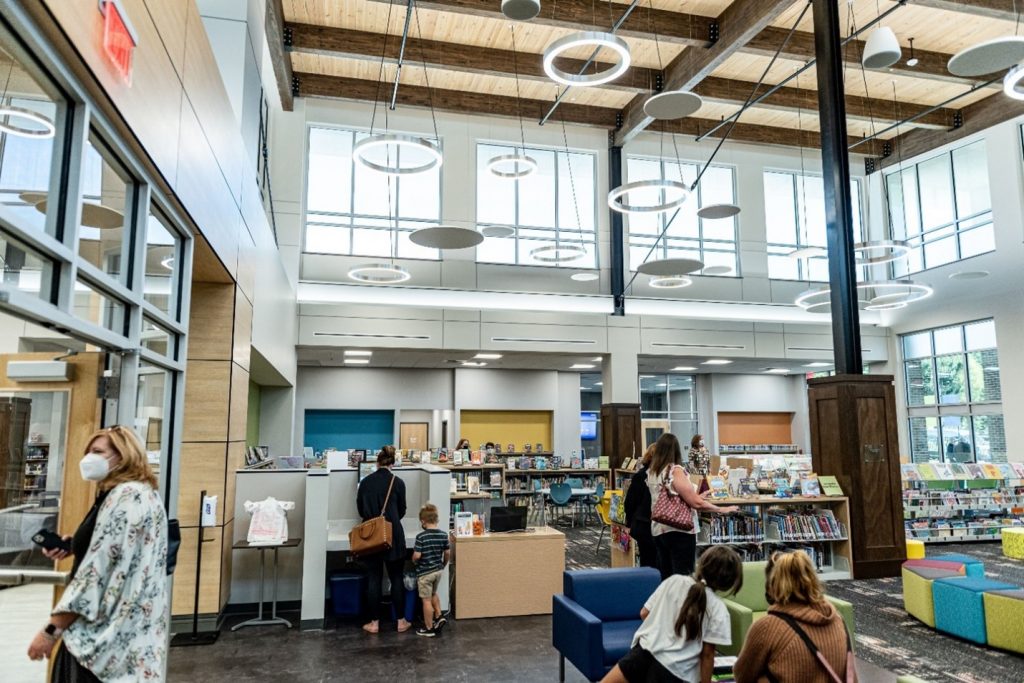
<point x="119" y="38"/>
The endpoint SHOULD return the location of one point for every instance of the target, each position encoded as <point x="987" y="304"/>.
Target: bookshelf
<point x="743" y="449"/>
<point x="37" y="462"/>
<point x="520" y="484"/>
<point x="962" y="502"/>
<point x="819" y="526"/>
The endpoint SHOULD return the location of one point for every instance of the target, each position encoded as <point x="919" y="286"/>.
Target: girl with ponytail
<point x="682" y="623"/>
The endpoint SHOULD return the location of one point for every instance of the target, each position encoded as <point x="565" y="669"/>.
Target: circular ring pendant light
<point x="592" y="39"/>
<point x="379" y="274"/>
<point x="42" y="128"/>
<point x="512" y="165"/>
<point x="718" y="211"/>
<point x="670" y="281"/>
<point x="446" y="237"/>
<point x="397" y="141"/>
<point x="676" y="194"/>
<point x="886" y="295"/>
<point x="879" y="252"/>
<point x="670" y="267"/>
<point x="1013" y="82"/>
<point x="669" y="106"/>
<point x="558" y="253"/>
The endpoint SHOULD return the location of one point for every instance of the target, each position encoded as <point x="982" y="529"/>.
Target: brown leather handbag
<point x="374" y="535"/>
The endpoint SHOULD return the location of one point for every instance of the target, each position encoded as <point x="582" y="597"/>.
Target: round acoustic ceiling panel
<point x="716" y="270"/>
<point x="497" y="231"/>
<point x="446" y="237"/>
<point x="584" y="277"/>
<point x="670" y="266"/>
<point x="716" y="211"/>
<point x="520" y="10"/>
<point x="988" y="57"/>
<point x="668" y="106"/>
<point x="94" y="215"/>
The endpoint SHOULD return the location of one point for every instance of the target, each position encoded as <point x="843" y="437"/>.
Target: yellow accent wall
<point x="507" y="426"/>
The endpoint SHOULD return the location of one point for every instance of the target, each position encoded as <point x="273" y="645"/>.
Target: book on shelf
<point x="975" y="470"/>
<point x="476" y="457"/>
<point x="991" y="471"/>
<point x="809" y="485"/>
<point x="719" y="489"/>
<point x="927" y="471"/>
<point x="942" y="470"/>
<point x="590" y="463"/>
<point x="495" y="479"/>
<point x="602" y="462"/>
<point x="541" y="463"/>
<point x="453" y="486"/>
<point x="473" y="485"/>
<point x="830" y="485"/>
<point x="458" y="457"/>
<point x="910" y="472"/>
<point x="748" y="486"/>
<point x="1007" y="470"/>
<point x="627" y="464"/>
<point x="960" y="471"/>
<point x="782" y="487"/>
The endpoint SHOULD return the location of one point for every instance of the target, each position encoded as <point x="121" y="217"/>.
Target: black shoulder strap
<point x="815" y="653"/>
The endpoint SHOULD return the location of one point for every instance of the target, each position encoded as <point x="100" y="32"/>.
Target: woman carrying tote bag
<point x="370" y="501"/>
<point x="676" y="544"/>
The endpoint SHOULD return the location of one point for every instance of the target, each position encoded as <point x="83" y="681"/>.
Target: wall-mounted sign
<point x="119" y="38"/>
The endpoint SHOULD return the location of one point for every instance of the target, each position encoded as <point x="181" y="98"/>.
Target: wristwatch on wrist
<point x="52" y="631"/>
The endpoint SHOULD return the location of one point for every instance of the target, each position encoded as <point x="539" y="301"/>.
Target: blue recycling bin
<point x="411" y="597"/>
<point x="347" y="591"/>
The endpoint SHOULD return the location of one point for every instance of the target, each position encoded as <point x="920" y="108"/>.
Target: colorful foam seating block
<point x="917" y="590"/>
<point x="915" y="549"/>
<point x="1004" y="619"/>
<point x="972" y="565"/>
<point x="1013" y="543"/>
<point x="960" y="606"/>
<point x="965" y="569"/>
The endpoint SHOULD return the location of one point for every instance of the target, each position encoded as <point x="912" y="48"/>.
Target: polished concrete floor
<point x="23" y="611"/>
<point x="513" y="650"/>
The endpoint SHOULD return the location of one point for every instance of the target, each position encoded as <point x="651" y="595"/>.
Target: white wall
<point x="762" y="393"/>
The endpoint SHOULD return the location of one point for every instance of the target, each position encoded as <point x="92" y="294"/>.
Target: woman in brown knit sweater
<point x="774" y="651"/>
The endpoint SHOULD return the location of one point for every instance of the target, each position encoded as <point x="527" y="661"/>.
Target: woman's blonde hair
<point x="134" y="465"/>
<point x="792" y="579"/>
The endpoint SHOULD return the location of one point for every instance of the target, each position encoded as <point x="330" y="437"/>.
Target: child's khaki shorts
<point x="428" y="583"/>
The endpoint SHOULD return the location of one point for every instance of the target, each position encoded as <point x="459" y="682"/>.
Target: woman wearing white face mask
<point x="111" y="619"/>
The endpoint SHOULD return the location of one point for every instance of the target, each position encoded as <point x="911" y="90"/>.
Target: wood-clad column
<point x="213" y="444"/>
<point x="621" y="437"/>
<point x="854" y="437"/>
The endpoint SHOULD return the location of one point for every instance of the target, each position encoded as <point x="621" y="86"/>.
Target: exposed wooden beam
<point x="994" y="9"/>
<point x="758" y="134"/>
<point x="583" y="15"/>
<point x="801" y="48"/>
<point x="738" y="24"/>
<point x="274" y="28"/>
<point x="992" y="110"/>
<point x="364" y="45"/>
<point x="727" y="91"/>
<point x="333" y="87"/>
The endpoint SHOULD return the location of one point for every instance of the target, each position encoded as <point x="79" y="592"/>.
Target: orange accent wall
<point x="739" y="428"/>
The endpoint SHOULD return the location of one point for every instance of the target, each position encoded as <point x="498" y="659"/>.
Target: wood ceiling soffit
<point x="993" y="9"/>
<point x="758" y="134"/>
<point x="991" y="111"/>
<point x="275" y="32"/>
<point x="365" y="45"/>
<point x="334" y="87"/>
<point x="738" y="24"/>
<point x="579" y="15"/>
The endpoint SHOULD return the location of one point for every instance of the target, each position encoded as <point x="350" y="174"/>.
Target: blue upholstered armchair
<point x="594" y="621"/>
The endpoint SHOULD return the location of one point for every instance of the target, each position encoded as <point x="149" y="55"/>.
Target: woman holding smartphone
<point x="111" y="621"/>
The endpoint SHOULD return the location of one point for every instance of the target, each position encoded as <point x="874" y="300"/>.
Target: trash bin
<point x="347" y="592"/>
<point x="410" y="606"/>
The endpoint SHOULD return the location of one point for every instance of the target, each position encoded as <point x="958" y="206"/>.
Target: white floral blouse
<point x="120" y="590"/>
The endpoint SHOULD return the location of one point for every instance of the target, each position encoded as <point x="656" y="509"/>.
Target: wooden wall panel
<point x="185" y="574"/>
<point x="170" y="17"/>
<point x="242" y="341"/>
<point x="755" y="428"/>
<point x="207" y="392"/>
<point x="211" y="322"/>
<point x="202" y="468"/>
<point x="227" y="540"/>
<point x="621" y="432"/>
<point x="239" y="409"/>
<point x="235" y="462"/>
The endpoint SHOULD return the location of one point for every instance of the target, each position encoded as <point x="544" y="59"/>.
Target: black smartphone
<point x="51" y="541"/>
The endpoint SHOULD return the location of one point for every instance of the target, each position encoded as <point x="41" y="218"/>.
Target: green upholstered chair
<point x="1004" y="619"/>
<point x="749" y="605"/>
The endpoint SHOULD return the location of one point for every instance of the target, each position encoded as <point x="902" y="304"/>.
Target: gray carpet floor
<point x="886" y="635"/>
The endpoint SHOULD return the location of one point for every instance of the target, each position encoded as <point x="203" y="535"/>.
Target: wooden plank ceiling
<point x="460" y="56"/>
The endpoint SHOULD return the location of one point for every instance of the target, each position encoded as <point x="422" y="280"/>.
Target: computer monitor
<point x="511" y="518"/>
<point x="366" y="469"/>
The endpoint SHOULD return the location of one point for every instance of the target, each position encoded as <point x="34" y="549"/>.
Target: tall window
<point x="352" y="210"/>
<point x="556" y="204"/>
<point x="668" y="403"/>
<point x="688" y="236"/>
<point x="794" y="207"/>
<point x="943" y="208"/>
<point x="954" y="394"/>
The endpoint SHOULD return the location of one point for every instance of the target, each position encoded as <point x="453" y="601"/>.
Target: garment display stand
<point x="263" y="548"/>
<point x="195" y="637"/>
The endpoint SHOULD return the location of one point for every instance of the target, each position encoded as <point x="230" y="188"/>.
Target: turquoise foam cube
<point x="960" y="606"/>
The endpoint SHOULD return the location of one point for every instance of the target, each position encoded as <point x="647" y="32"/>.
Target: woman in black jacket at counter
<point x="373" y="491"/>
<point x="638" y="513"/>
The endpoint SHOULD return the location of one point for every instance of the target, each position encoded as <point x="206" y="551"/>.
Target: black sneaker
<point x="440" y="622"/>
<point x="426" y="632"/>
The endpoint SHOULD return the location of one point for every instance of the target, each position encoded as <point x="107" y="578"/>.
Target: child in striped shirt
<point x="431" y="554"/>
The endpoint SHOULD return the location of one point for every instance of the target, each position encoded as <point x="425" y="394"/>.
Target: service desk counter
<point x="508" y="574"/>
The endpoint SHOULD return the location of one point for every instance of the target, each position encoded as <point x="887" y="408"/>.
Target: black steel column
<point x="618" y="264"/>
<point x="835" y="161"/>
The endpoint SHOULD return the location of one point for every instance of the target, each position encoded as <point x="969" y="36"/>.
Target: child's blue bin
<point x="410" y="606"/>
<point x="347" y="592"/>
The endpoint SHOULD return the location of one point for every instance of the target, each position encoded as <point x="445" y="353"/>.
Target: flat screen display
<point x="588" y="426"/>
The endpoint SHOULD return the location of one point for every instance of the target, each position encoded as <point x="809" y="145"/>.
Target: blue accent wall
<point x="349" y="429"/>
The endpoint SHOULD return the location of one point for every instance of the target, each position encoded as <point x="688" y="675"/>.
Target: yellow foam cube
<point x="1013" y="543"/>
<point x="915" y="549"/>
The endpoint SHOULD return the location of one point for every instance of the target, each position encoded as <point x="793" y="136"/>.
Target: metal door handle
<point x="19" y="577"/>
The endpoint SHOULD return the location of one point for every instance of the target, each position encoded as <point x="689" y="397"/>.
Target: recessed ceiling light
<point x="598" y="359"/>
<point x="582" y="366"/>
<point x="716" y="361"/>
<point x="777" y="371"/>
<point x="473" y="364"/>
<point x="684" y="368"/>
<point x="487" y="356"/>
<point x="818" y="364"/>
<point x="969" y="275"/>
<point x="601" y="384"/>
<point x="584" y="277"/>
<point x="356" y="361"/>
<point x="359" y="353"/>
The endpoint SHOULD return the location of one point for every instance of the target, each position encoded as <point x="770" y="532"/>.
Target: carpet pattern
<point x="886" y="635"/>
